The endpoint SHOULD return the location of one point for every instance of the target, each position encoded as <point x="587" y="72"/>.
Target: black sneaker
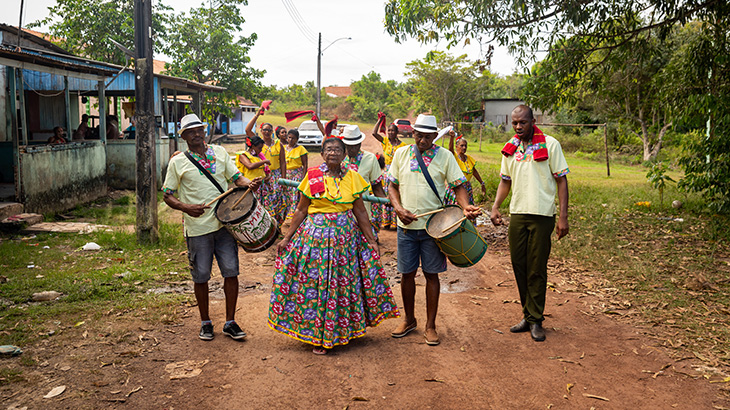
<point x="206" y="332"/>
<point x="234" y="331"/>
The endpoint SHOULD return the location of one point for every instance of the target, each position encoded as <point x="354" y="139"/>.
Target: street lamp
<point x="319" y="69"/>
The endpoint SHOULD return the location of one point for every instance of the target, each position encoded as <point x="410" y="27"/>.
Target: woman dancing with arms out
<point x="271" y="194"/>
<point x="390" y="145"/>
<point x="468" y="166"/>
<point x="329" y="284"/>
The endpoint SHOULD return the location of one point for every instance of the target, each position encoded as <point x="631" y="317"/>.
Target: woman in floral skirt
<point x="468" y="166"/>
<point x="390" y="145"/>
<point x="329" y="283"/>
<point x="296" y="163"/>
<point x="273" y="150"/>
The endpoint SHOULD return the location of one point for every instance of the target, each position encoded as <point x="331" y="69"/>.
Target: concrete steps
<point x="9" y="209"/>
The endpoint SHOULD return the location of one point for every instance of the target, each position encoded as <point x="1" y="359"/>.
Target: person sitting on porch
<point x="58" y="137"/>
<point x="112" y="127"/>
<point x="83" y="131"/>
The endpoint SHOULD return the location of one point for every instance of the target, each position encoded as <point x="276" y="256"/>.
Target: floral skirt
<point x="271" y="195"/>
<point x="450" y="195"/>
<point x="292" y="193"/>
<point x="328" y="285"/>
<point x="388" y="217"/>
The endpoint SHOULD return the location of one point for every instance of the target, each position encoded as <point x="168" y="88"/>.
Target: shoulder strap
<point x="426" y="175"/>
<point x="204" y="171"/>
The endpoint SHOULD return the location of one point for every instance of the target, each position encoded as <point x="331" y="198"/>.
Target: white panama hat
<point x="188" y="122"/>
<point x="352" y="135"/>
<point x="426" y="124"/>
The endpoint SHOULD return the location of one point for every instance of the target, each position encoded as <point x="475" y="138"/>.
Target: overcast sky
<point x="288" y="55"/>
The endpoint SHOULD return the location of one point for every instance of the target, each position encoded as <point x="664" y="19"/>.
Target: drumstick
<point x="241" y="198"/>
<point x="219" y="197"/>
<point x="454" y="224"/>
<point x="429" y="213"/>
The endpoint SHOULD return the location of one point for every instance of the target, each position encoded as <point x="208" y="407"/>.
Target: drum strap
<point x="426" y="175"/>
<point x="204" y="171"/>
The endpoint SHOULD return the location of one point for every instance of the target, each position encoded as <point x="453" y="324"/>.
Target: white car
<point x="309" y="135"/>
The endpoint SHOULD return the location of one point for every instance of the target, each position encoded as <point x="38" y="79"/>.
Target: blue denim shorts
<point x="415" y="245"/>
<point x="201" y="250"/>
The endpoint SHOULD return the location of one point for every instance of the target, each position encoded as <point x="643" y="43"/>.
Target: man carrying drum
<point x="535" y="169"/>
<point x="190" y="177"/>
<point x="411" y="194"/>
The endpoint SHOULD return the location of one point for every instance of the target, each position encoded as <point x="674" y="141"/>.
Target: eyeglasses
<point x="335" y="150"/>
<point x="267" y="129"/>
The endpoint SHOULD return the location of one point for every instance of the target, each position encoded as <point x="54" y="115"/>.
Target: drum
<point x="461" y="243"/>
<point x="254" y="229"/>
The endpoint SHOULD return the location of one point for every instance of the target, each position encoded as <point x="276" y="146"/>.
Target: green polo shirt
<point x="415" y="194"/>
<point x="192" y="187"/>
<point x="533" y="183"/>
<point x="369" y="169"/>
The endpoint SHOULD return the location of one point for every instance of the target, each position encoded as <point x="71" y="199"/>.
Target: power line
<point x="301" y="19"/>
<point x="298" y="20"/>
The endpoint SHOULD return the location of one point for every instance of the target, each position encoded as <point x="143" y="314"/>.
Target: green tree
<point x="446" y="85"/>
<point x="84" y="27"/>
<point x="370" y="95"/>
<point x="621" y="85"/>
<point x="205" y="47"/>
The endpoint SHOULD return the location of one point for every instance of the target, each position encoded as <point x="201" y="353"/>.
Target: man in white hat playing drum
<point x="364" y="163"/>
<point x="188" y="189"/>
<point x="411" y="194"/>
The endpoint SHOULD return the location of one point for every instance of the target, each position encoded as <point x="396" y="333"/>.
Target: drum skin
<point x="462" y="244"/>
<point x="249" y="223"/>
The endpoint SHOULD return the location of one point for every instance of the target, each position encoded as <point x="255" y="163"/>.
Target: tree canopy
<point x="203" y="46"/>
<point x="84" y="27"/>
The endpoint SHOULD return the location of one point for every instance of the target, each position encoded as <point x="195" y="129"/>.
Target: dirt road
<point x="588" y="361"/>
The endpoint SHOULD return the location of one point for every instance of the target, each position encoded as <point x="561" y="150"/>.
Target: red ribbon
<point x="330" y="126"/>
<point x="381" y="116"/>
<point x="292" y="115"/>
<point x="265" y="106"/>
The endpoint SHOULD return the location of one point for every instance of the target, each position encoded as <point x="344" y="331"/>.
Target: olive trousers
<point x="529" y="246"/>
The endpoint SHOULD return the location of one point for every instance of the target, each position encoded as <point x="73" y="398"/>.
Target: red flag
<point x="381" y="120"/>
<point x="330" y="126"/>
<point x="292" y="115"/>
<point x="264" y="106"/>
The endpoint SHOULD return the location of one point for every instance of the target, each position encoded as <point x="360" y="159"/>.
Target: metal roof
<point x="54" y="60"/>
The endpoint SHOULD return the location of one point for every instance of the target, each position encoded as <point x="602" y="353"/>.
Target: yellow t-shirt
<point x="339" y="194"/>
<point x="250" y="173"/>
<point x="192" y="187"/>
<point x="533" y="183"/>
<point x="466" y="167"/>
<point x="272" y="154"/>
<point x="294" y="157"/>
<point x="389" y="150"/>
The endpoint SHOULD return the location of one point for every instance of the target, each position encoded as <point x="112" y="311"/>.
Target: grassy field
<point x="671" y="267"/>
<point x="92" y="283"/>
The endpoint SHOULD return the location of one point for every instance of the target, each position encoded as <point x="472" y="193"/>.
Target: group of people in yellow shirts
<point x="277" y="157"/>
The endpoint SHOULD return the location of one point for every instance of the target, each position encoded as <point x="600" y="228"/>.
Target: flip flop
<point x="405" y="331"/>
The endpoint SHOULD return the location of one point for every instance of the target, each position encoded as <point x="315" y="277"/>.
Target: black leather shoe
<point x="537" y="332"/>
<point x="523" y="326"/>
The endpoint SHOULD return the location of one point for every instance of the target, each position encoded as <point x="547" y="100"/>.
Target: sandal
<point x="408" y="329"/>
<point x="319" y="351"/>
<point x="432" y="338"/>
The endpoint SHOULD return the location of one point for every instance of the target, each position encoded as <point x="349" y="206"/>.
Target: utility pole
<point x="145" y="113"/>
<point x="319" y="75"/>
